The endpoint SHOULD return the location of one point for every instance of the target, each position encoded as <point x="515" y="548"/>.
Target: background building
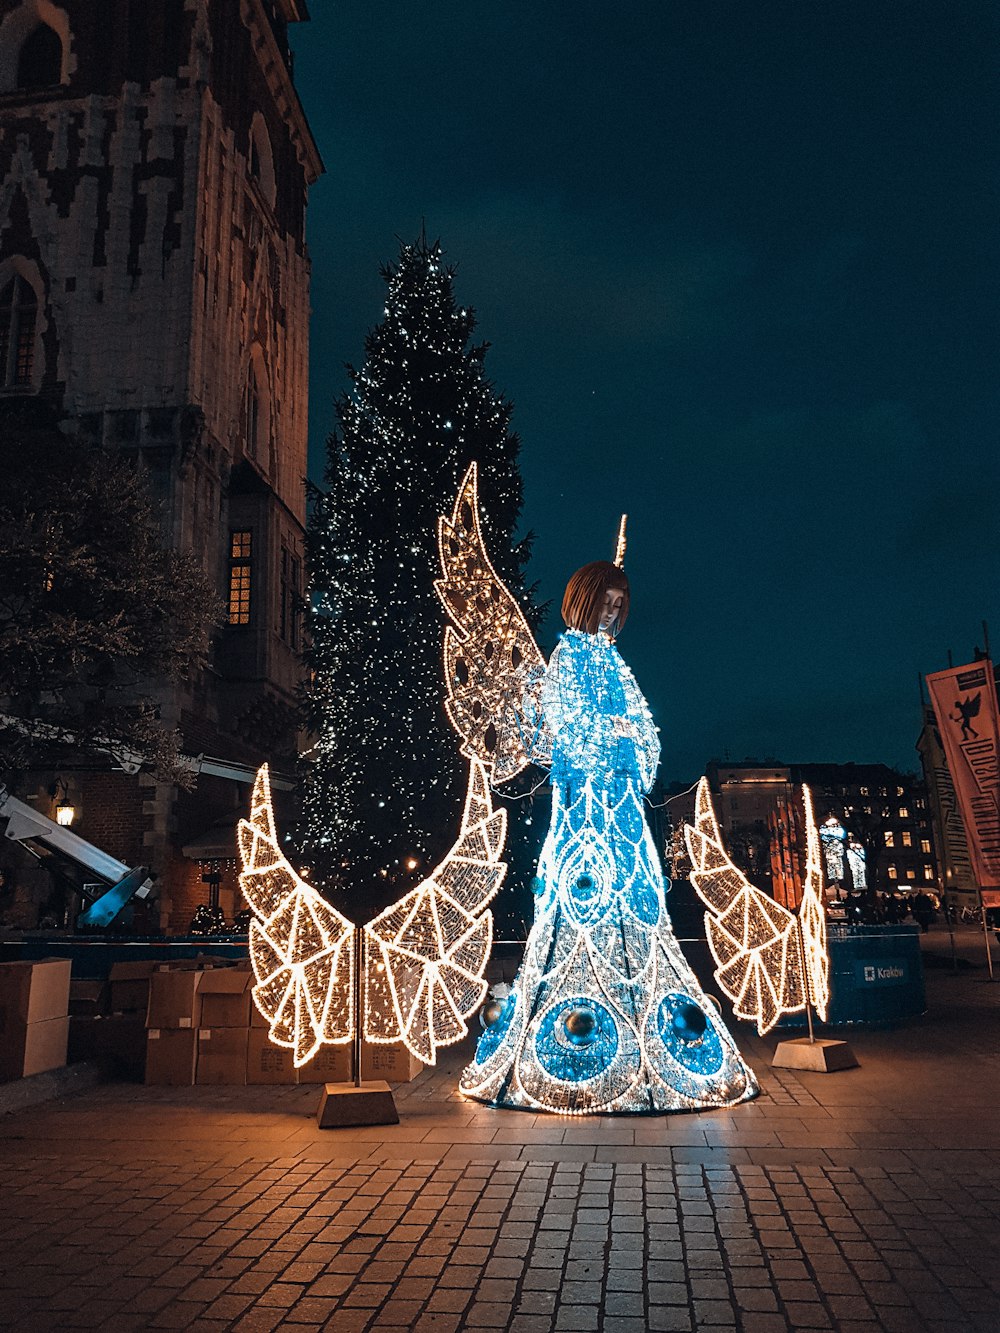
<point x="154" y="288"/>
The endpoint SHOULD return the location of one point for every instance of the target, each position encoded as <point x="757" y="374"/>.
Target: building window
<point x="864" y="791"/>
<point x="911" y="874"/>
<point x="39" y="64"/>
<point x="18" y="321"/>
<point x="252" y="413"/>
<point x="907" y="838"/>
<point x="289" y="599"/>
<point x="928" y="872"/>
<point x="890" y="838"/>
<point x="899" y="791"/>
<point x="239" y="578"/>
<point x="903" y="812"/>
<point x="891" y="872"/>
<point x="867" y="809"/>
<point x="925" y="846"/>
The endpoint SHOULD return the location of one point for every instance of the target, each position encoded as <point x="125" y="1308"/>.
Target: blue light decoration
<point x="833" y="836"/>
<point x="605" y="1015"/>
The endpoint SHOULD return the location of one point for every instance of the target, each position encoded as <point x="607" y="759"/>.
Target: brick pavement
<point x="860" y="1201"/>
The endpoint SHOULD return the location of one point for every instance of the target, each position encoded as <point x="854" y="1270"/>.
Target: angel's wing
<point x="493" y="667"/>
<point x="753" y="939"/>
<point x="427" y="953"/>
<point x="300" y="947"/>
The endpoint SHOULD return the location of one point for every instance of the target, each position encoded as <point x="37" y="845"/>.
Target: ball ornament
<point x="581" y="1026"/>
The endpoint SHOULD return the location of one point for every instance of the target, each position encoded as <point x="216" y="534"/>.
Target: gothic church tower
<point x="154" y="287"/>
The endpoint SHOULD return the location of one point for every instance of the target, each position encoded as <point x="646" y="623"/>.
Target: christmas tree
<point x="384" y="788"/>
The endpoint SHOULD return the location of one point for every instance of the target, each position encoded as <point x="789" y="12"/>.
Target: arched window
<point x="18" y="327"/>
<point x="252" y="410"/>
<point x="261" y="160"/>
<point x="39" y="64"/>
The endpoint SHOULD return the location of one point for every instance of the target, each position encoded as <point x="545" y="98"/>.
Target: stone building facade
<point x="155" y="163"/>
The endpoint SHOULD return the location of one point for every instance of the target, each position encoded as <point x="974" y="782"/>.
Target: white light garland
<point x="427" y="953"/>
<point x="753" y="939"/>
<point x="301" y="949"/>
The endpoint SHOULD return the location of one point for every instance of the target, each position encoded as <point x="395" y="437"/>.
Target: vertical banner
<point x="965" y="705"/>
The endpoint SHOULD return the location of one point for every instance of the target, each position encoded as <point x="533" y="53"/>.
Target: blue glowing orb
<point x="562" y="1055"/>
<point x="497" y="1030"/>
<point x="689" y="1034"/>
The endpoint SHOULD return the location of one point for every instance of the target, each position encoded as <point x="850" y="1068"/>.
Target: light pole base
<point x="343" y="1105"/>
<point x="825" y="1055"/>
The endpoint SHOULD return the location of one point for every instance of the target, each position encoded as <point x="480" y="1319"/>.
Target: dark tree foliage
<point x="94" y="613"/>
<point x="383" y="793"/>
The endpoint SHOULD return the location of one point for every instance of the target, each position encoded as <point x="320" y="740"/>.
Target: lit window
<point x="867" y="809"/>
<point x="882" y="791"/>
<point x="925" y="846"/>
<point x="903" y="812"/>
<point x="18" y="318"/>
<point x="907" y="838"/>
<point x="928" y="872"/>
<point x="911" y="874"/>
<point x="239" y="578"/>
<point x="920" y="803"/>
<point x="891" y="872"/>
<point x="899" y="791"/>
<point x="864" y="791"/>
<point x="890" y="838"/>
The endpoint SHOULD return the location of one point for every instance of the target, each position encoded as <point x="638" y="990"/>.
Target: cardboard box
<point x="222" y="1055"/>
<point x="330" y="1064"/>
<point x="33" y="993"/>
<point x="267" y="1063"/>
<point x="128" y="986"/>
<point x="33" y="1048"/>
<point x="174" y="1001"/>
<point x="87" y="998"/>
<point x="225" y="998"/>
<point x="170" y="1056"/>
<point x="394" y="1063"/>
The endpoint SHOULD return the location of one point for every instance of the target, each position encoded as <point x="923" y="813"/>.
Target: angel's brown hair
<point x="584" y="596"/>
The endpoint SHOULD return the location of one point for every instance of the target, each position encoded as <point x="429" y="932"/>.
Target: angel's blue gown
<point x="605" y="1014"/>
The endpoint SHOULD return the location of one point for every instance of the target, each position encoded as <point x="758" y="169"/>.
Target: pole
<point x="986" y="638"/>
<point x="986" y="935"/>
<point x="359" y="964"/>
<point x="805" y="979"/>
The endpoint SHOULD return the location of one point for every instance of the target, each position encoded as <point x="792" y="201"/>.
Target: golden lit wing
<point x="300" y="947"/>
<point x="753" y="939"/>
<point x="493" y="667"/>
<point x="812" y="917"/>
<point x="427" y="953"/>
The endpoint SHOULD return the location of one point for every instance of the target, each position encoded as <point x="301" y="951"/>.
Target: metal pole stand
<point x="345" y="1105"/>
<point x="818" y="1055"/>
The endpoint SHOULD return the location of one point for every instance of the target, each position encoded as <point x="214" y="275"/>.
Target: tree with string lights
<point x="384" y="785"/>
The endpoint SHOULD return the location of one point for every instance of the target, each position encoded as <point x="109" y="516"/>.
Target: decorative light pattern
<point x="768" y="961"/>
<point x="492" y="666"/>
<point x="833" y="837"/>
<point x="301" y="949"/>
<point x="426" y="954"/>
<point x="585" y="1028"/>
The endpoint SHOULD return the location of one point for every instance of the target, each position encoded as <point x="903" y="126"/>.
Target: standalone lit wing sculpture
<point x="769" y="961"/>
<point x="301" y="949"/>
<point x="427" y="953"/>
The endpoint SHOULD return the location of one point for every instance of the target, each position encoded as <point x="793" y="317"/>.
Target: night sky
<point x="737" y="264"/>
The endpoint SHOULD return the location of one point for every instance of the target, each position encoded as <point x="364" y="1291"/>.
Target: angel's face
<point x="610" y="609"/>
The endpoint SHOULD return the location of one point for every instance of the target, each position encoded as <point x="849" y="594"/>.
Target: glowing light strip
<point x="620" y="545"/>
<point x="428" y="952"/>
<point x="301" y="948"/>
<point x="752" y="938"/>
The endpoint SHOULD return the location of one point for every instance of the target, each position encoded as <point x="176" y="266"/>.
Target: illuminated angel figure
<point x="605" y="1015"/>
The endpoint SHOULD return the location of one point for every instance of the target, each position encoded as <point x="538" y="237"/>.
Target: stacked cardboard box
<point x="34" y="1017"/>
<point x="173" y="1017"/>
<point x="224" y="1034"/>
